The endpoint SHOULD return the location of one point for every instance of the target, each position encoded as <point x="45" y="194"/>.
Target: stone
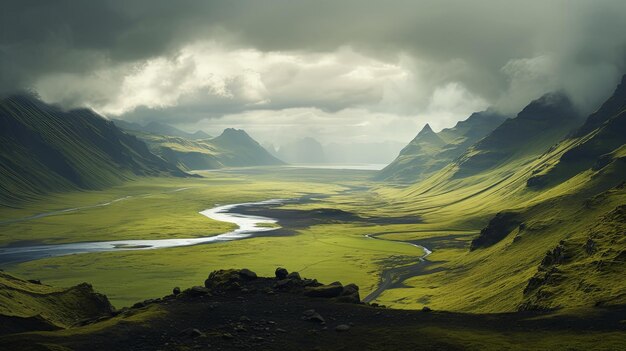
<point x="327" y="291"/>
<point x="281" y="273"/>
<point x="176" y="291"/>
<point x="192" y="333"/>
<point x="294" y="276"/>
<point x="311" y="315"/>
<point x="342" y="328"/>
<point x="247" y="274"/>
<point x="197" y="291"/>
<point x="226" y="279"/>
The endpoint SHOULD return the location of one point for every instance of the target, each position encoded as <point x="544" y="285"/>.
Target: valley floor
<point x="404" y="251"/>
<point x="324" y="245"/>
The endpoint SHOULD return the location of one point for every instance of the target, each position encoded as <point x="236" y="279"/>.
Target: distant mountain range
<point x="309" y="150"/>
<point x="304" y="150"/>
<point x="47" y="149"/>
<point x="160" y="129"/>
<point x="233" y="148"/>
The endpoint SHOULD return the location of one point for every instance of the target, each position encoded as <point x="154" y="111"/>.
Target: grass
<point x="328" y="252"/>
<point x="486" y="280"/>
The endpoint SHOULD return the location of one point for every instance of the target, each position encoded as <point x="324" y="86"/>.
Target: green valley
<point x="351" y="175"/>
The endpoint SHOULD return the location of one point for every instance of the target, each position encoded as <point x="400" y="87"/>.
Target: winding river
<point x="248" y="226"/>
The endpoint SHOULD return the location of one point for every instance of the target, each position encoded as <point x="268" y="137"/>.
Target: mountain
<point x="594" y="145"/>
<point x="160" y="129"/>
<point x="305" y="150"/>
<point x="538" y="205"/>
<point x="239" y="149"/>
<point x="233" y="148"/>
<point x="429" y="151"/>
<point x="538" y="126"/>
<point x="45" y="149"/>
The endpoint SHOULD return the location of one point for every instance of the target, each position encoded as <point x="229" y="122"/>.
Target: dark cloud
<point x="501" y="51"/>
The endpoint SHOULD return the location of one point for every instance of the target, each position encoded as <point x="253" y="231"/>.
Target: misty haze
<point x="312" y="175"/>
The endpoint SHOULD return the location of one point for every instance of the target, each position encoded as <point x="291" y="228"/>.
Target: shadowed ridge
<point x="539" y="125"/>
<point x="46" y="149"/>
<point x="596" y="144"/>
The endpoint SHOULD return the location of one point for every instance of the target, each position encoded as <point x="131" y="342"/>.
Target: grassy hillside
<point x="30" y="305"/>
<point x="233" y="148"/>
<point x="557" y="243"/>
<point x="429" y="152"/>
<point x="47" y="149"/>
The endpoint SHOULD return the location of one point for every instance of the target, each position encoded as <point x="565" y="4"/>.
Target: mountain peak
<point x="549" y="106"/>
<point x="426" y="130"/>
<point x="234" y="133"/>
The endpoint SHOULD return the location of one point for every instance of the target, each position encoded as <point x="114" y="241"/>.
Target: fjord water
<point x="247" y="226"/>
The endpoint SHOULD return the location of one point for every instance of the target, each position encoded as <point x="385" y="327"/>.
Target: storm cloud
<point x="193" y="62"/>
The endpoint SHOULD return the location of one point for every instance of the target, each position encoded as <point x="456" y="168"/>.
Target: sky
<point x="347" y="71"/>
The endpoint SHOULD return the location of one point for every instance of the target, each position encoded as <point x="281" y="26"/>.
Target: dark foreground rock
<point x="234" y="312"/>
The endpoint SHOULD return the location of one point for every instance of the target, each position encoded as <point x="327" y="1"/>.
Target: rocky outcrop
<point x="548" y="274"/>
<point x="224" y="281"/>
<point x="498" y="228"/>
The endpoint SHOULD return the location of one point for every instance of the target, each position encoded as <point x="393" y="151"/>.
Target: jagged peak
<point x="426" y="130"/>
<point x="233" y="132"/>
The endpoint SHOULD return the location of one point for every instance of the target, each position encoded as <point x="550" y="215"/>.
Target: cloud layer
<point x="212" y="62"/>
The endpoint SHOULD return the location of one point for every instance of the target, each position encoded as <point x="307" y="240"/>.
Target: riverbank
<point x="246" y="225"/>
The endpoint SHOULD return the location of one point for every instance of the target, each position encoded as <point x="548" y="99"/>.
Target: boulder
<point x="311" y="315"/>
<point x="247" y="274"/>
<point x="350" y="289"/>
<point x="197" y="291"/>
<point x="281" y="273"/>
<point x="227" y="279"/>
<point x="294" y="276"/>
<point x="327" y="291"/>
<point x="192" y="333"/>
<point x="350" y="294"/>
<point x="342" y="328"/>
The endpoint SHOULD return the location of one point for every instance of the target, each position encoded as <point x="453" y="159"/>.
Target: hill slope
<point x="549" y="214"/>
<point x="428" y="152"/>
<point x="30" y="305"/>
<point x="45" y="149"/>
